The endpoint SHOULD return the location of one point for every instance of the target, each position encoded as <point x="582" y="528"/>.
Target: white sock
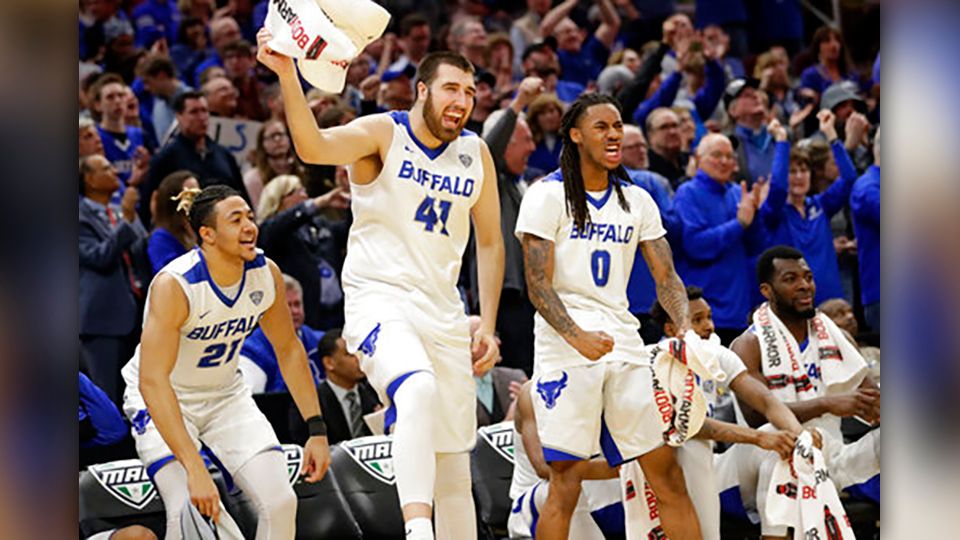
<point x="419" y="529"/>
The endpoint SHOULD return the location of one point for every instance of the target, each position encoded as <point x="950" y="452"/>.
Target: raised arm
<point x="670" y="290"/>
<point x="609" y="24"/>
<point x="555" y="15"/>
<point x="277" y="326"/>
<point x="632" y="93"/>
<point x="771" y="211"/>
<point x="490" y="263"/>
<point x="158" y="355"/>
<point x="341" y="145"/>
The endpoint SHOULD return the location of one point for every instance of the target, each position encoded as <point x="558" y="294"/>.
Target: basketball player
<point x="580" y="228"/>
<point x="417" y="179"/>
<point x="183" y="385"/>
<point x="696" y="456"/>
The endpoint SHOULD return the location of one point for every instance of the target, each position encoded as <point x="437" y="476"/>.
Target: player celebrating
<point x="183" y="385"/>
<point x="578" y="247"/>
<point x="417" y="179"/>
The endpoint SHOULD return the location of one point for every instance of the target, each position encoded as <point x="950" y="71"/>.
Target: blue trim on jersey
<point x="195" y="274"/>
<point x="259" y="261"/>
<point x="598" y="203"/>
<point x="731" y="504"/>
<point x="227" y="478"/>
<point x="390" y="417"/>
<point x="534" y="513"/>
<point x="403" y="118"/>
<point x="467" y="133"/>
<point x="216" y="290"/>
<point x="611" y="519"/>
<point x="155" y="467"/>
<point x="555" y="176"/>
<point x="803" y="344"/>
<point x="551" y="455"/>
<point x="608" y="445"/>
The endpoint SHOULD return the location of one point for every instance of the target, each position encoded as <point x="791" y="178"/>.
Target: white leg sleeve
<point x="414" y="461"/>
<point x="454" y="513"/>
<point x="696" y="460"/>
<point x="264" y="480"/>
<point x="171" y="482"/>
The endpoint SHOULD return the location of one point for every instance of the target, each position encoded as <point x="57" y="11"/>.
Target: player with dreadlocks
<point x="589" y="360"/>
<point x="183" y="385"/>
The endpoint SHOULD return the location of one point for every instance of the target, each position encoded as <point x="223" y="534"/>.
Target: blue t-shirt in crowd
<point x="715" y="250"/>
<point x="155" y="19"/>
<point x="544" y="158"/>
<point x="259" y="350"/>
<point x="810" y="233"/>
<point x="865" y="209"/>
<point x="108" y="424"/>
<point x="120" y="149"/>
<point x="569" y="91"/>
<point x="759" y="149"/>
<point x="641" y="290"/>
<point x="163" y="247"/>
<point x="816" y="77"/>
<point x="584" y="66"/>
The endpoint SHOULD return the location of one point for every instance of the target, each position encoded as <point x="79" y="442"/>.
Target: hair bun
<point x="185" y="199"/>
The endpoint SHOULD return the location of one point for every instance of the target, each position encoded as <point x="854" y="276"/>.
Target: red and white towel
<point x="802" y="495"/>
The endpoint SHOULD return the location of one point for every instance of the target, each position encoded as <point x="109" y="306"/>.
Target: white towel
<point x="842" y="368"/>
<point x="680" y="401"/>
<point x="301" y="30"/>
<point x="363" y="21"/>
<point x="802" y="495"/>
<point x="641" y="514"/>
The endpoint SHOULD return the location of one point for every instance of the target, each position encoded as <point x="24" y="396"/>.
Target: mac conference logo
<point x="374" y="455"/>
<point x="294" y="456"/>
<point x="127" y="481"/>
<point x="500" y="437"/>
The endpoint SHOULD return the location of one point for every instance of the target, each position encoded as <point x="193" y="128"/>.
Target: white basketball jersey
<point x="411" y="226"/>
<point x="211" y="337"/>
<point x="592" y="266"/>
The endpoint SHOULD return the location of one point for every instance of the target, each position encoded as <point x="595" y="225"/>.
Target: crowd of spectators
<point x="747" y="129"/>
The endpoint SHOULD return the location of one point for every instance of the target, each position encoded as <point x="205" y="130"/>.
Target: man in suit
<point x="497" y="390"/>
<point x="511" y="144"/>
<point x="345" y="396"/>
<point x="112" y="280"/>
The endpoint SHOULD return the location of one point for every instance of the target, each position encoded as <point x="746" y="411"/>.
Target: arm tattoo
<point x="670" y="290"/>
<point x="538" y="270"/>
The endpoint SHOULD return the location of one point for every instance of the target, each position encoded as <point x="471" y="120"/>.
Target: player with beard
<point x="580" y="229"/>
<point x="417" y="179"/>
<point x="829" y="379"/>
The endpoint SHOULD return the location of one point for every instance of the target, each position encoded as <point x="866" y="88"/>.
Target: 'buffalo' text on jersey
<point x="217" y="324"/>
<point x="411" y="226"/>
<point x="591" y="265"/>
